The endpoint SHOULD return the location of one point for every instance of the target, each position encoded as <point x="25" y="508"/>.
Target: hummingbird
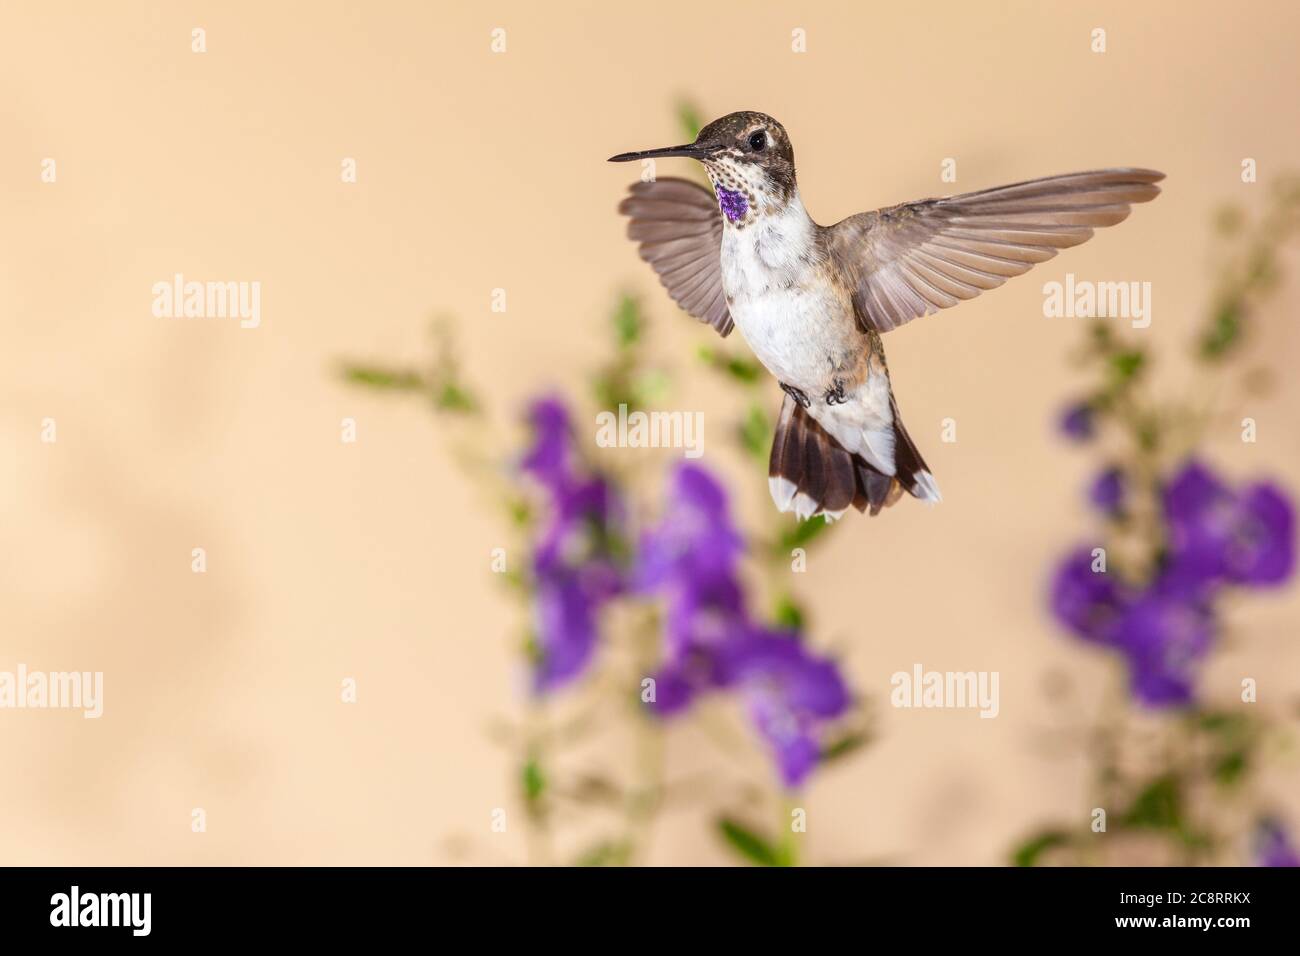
<point x="813" y="301"/>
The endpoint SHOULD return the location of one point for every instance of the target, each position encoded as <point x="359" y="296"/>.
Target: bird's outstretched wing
<point x="679" y="228"/>
<point x="919" y="257"/>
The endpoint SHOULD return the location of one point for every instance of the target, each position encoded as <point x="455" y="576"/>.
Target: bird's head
<point x="749" y="160"/>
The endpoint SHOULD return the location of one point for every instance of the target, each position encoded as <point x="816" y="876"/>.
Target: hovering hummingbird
<point x="812" y="301"/>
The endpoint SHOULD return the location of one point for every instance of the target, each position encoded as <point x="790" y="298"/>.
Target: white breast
<point x="781" y="307"/>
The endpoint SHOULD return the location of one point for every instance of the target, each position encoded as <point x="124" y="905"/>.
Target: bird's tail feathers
<point x="810" y="473"/>
<point x="909" y="467"/>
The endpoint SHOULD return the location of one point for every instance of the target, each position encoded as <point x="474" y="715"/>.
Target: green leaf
<point x="453" y="398"/>
<point x="521" y="512"/>
<point x="653" y="385"/>
<point x="1224" y="724"/>
<point x="1224" y="331"/>
<point x="1028" y="853"/>
<point x="688" y="119"/>
<point x="628" y="324"/>
<point x="755" y="433"/>
<point x="1126" y="365"/>
<point x="752" y="847"/>
<point x="613" y="390"/>
<point x="801" y="534"/>
<point x="1197" y="839"/>
<point x="533" y="781"/>
<point x="371" y="376"/>
<point x="1103" y="337"/>
<point x="788" y="614"/>
<point x="743" y="370"/>
<point x="1159" y="806"/>
<point x="1231" y="767"/>
<point x="847" y="743"/>
<point x="531" y="648"/>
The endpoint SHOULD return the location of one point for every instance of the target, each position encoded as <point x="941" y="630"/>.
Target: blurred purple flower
<point x="566" y="632"/>
<point x="1218" y="535"/>
<point x="705" y="630"/>
<point x="1272" y="845"/>
<point x="574" y="564"/>
<point x="1162" y="634"/>
<point x="705" y="613"/>
<point x="790" y="692"/>
<point x="695" y="540"/>
<point x="584" y="516"/>
<point x="549" y="458"/>
<point x="1078" y="422"/>
<point x="1164" y="638"/>
<point x="1198" y="510"/>
<point x="1165" y="627"/>
<point x="1087" y="602"/>
<point x="1262" y="551"/>
<point x="711" y="642"/>
<point x="1107" y="491"/>
<point x="690" y="557"/>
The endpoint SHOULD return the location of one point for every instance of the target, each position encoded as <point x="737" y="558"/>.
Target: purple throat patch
<point x="734" y="205"/>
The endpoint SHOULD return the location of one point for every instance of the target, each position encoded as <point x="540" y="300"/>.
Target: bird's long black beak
<point x="690" y="151"/>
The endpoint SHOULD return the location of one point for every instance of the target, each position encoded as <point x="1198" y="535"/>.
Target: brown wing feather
<point x="679" y="229"/>
<point x="916" y="258"/>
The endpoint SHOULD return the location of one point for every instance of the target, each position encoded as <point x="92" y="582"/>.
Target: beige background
<point x="478" y="171"/>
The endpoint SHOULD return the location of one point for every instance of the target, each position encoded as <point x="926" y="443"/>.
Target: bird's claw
<point x="836" y="396"/>
<point x="796" y="394"/>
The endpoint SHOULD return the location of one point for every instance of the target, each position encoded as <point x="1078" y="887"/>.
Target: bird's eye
<point x="757" y="140"/>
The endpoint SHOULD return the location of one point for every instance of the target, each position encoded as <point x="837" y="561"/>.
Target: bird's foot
<point x="796" y="394"/>
<point x="836" y="396"/>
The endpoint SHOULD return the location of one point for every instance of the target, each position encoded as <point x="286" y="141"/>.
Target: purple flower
<point x="1107" y="491"/>
<point x="705" y="613"/>
<point x="712" y="644"/>
<point x="1087" y="602"/>
<point x="1162" y="630"/>
<point x="1193" y="492"/>
<point x="1273" y="846"/>
<point x="1199" y="512"/>
<point x="1262" y="551"/>
<point x="578" y="540"/>
<point x="1217" y="535"/>
<point x="675" y="689"/>
<point x="706" y="629"/>
<point x="1164" y="638"/>
<point x="549" y="458"/>
<point x="790" y="693"/>
<point x="575" y="564"/>
<point x="576" y="574"/>
<point x="1078" y="422"/>
<point x="1165" y="627"/>
<point x="691" y="558"/>
<point x="566" y="632"/>
<point x="695" y="539"/>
